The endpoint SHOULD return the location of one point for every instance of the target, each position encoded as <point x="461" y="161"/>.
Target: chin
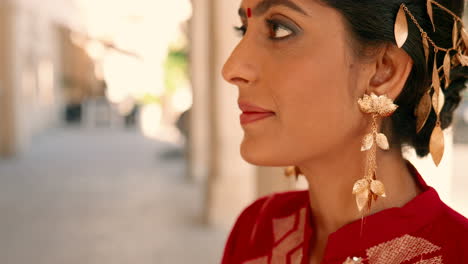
<point x="256" y="153"/>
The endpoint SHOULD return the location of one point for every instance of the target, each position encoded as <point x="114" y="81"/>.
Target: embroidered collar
<point x="382" y="226"/>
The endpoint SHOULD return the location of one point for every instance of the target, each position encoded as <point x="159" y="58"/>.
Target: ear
<point x="392" y="68"/>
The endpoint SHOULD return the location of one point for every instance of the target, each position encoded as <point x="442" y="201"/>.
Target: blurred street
<point x="102" y="196"/>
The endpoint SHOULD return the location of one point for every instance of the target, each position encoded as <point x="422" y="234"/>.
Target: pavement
<point x="92" y="196"/>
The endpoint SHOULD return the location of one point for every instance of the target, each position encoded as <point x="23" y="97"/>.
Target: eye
<point x="240" y="30"/>
<point x="278" y="31"/>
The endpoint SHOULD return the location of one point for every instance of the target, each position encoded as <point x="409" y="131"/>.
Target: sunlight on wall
<point x="46" y="82"/>
<point x="182" y="99"/>
<point x="129" y="41"/>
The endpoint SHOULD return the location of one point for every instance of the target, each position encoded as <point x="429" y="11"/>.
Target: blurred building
<point x="42" y="71"/>
<point x="36" y="63"/>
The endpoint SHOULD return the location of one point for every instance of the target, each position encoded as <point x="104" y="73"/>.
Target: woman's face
<point x="295" y="62"/>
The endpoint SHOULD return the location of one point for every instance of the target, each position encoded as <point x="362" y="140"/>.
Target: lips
<point x="246" y="107"/>
<point x="252" y="113"/>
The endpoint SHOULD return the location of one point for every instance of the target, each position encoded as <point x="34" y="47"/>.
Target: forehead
<point x="315" y="11"/>
<point x="255" y="2"/>
<point x="260" y="6"/>
<point x="321" y="20"/>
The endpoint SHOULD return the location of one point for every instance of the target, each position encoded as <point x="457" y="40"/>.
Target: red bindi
<point x="249" y="12"/>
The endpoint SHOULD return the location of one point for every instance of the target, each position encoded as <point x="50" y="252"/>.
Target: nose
<point x="239" y="68"/>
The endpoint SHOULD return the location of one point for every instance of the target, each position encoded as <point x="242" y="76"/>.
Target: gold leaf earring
<point x="369" y="188"/>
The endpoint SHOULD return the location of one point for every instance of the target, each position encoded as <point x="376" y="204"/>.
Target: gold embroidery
<point x="400" y="249"/>
<point x="281" y="226"/>
<point x="293" y="240"/>
<point x="296" y="257"/>
<point x="262" y="260"/>
<point x="435" y="260"/>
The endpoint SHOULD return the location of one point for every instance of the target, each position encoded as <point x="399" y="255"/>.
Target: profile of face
<point x="295" y="62"/>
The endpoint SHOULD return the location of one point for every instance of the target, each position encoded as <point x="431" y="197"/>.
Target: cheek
<point x="313" y="116"/>
<point x="316" y="109"/>
<point x="312" y="91"/>
<point x="314" y="106"/>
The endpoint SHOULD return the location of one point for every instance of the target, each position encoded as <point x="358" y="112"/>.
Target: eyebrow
<point x="262" y="7"/>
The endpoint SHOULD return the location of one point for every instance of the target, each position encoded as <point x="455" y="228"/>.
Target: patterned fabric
<point x="400" y="250"/>
<point x="277" y="229"/>
<point x="284" y="225"/>
<point x="435" y="260"/>
<point x="261" y="260"/>
<point x="289" y="236"/>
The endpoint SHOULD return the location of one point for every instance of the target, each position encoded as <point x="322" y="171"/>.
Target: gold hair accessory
<point x="454" y="56"/>
<point x="369" y="188"/>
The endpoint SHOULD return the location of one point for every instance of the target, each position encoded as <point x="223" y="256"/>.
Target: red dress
<point x="277" y="229"/>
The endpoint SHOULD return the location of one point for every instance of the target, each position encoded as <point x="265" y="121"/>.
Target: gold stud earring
<point x="369" y="188"/>
<point x="292" y="171"/>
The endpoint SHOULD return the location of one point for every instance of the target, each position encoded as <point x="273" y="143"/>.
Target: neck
<point x="331" y="180"/>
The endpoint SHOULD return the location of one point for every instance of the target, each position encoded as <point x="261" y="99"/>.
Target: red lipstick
<point x="252" y="113"/>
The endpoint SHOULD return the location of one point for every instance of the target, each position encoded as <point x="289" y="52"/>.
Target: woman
<point x="318" y="81"/>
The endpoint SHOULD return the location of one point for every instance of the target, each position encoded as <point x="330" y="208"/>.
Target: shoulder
<point x="256" y="217"/>
<point x="442" y="220"/>
<point x="450" y="232"/>
<point x="272" y="205"/>
<point x="456" y="223"/>
<point x="277" y="204"/>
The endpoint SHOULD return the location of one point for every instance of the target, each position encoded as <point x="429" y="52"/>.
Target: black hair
<point x="371" y="24"/>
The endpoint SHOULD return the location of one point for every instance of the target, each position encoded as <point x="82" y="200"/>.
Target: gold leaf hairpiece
<point x="423" y="111"/>
<point x="401" y="27"/>
<point x="459" y="53"/>
<point x="447" y="69"/>
<point x="430" y="13"/>
<point x="426" y="48"/>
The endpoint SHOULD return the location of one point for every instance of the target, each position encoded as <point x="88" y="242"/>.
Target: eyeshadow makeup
<point x="249" y="12"/>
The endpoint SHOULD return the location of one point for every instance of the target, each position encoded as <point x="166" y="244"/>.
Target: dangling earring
<point x="369" y="188"/>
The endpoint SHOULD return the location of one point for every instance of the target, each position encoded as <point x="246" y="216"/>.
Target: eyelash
<point x="271" y="24"/>
<point x="274" y="25"/>
<point x="240" y="30"/>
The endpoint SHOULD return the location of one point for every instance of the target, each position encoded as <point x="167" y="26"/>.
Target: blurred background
<point x="119" y="140"/>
